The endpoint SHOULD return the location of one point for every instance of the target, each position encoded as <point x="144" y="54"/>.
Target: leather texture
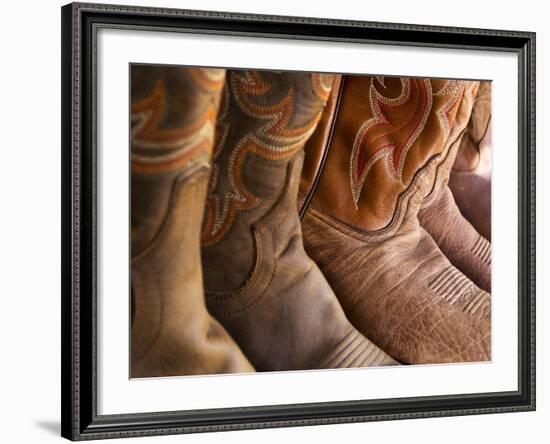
<point x="386" y="129"/>
<point x="260" y="283"/>
<point x="173" y="115"/>
<point x="470" y="180"/>
<point x="362" y="228"/>
<point x="468" y="250"/>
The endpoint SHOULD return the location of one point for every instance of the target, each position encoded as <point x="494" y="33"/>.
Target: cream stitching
<point x="386" y="152"/>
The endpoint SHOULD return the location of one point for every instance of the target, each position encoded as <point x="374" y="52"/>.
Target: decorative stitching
<point x="349" y="351"/>
<point x="479" y="303"/>
<point x="246" y="290"/>
<point x="454" y="89"/>
<point x="482" y="250"/>
<point x="276" y="140"/>
<point x="168" y="148"/>
<point x="256" y="272"/>
<point x="353" y="348"/>
<point x="456" y="289"/>
<point x="341" y="344"/>
<point x="402" y="207"/>
<point x="394" y="154"/>
<point x="441" y="171"/>
<point x="262" y="232"/>
<point x="450" y="284"/>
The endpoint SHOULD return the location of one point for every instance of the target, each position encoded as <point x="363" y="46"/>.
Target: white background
<point x="30" y="222"/>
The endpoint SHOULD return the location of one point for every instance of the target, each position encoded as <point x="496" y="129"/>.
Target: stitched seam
<point x="402" y="207"/>
<point x="451" y="285"/>
<point x="229" y="313"/>
<point x="482" y="250"/>
<point x="324" y="361"/>
<point x="337" y="348"/>
<point x="366" y="357"/>
<point x="336" y="353"/>
<point x="349" y="350"/>
<point x="193" y="171"/>
<point x="254" y="276"/>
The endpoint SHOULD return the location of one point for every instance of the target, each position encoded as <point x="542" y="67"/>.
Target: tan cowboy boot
<point x="173" y="117"/>
<point x="467" y="250"/>
<point x="470" y="179"/>
<point x="260" y="283"/>
<point x="361" y="227"/>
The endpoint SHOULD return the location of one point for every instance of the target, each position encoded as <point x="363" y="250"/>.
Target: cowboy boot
<point x="361" y="227"/>
<point x="470" y="179"/>
<point x="467" y="250"/>
<point x="173" y="118"/>
<point x="259" y="282"/>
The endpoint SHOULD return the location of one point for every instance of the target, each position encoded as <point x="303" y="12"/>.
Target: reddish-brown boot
<point x="388" y="137"/>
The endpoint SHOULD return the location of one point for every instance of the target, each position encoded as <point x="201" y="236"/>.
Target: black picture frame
<point x="78" y="333"/>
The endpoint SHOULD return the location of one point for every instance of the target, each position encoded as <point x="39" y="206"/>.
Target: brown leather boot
<point x="260" y="283"/>
<point x="173" y="117"/>
<point x="469" y="251"/>
<point x="470" y="179"/>
<point x="361" y="226"/>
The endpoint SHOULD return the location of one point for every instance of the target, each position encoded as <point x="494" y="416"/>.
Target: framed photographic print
<point x="280" y="221"/>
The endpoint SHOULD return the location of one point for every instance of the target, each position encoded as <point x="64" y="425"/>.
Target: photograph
<point x="283" y="221"/>
<point x="295" y="221"/>
<point x="275" y="222"/>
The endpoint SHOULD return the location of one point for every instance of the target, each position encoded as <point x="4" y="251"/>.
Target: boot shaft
<point x="264" y="121"/>
<point x="389" y="136"/>
<point x="173" y="121"/>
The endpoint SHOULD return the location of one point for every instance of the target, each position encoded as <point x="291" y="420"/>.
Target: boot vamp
<point x="286" y="316"/>
<point x="457" y="238"/>
<point x="402" y="293"/>
<point x="172" y="332"/>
